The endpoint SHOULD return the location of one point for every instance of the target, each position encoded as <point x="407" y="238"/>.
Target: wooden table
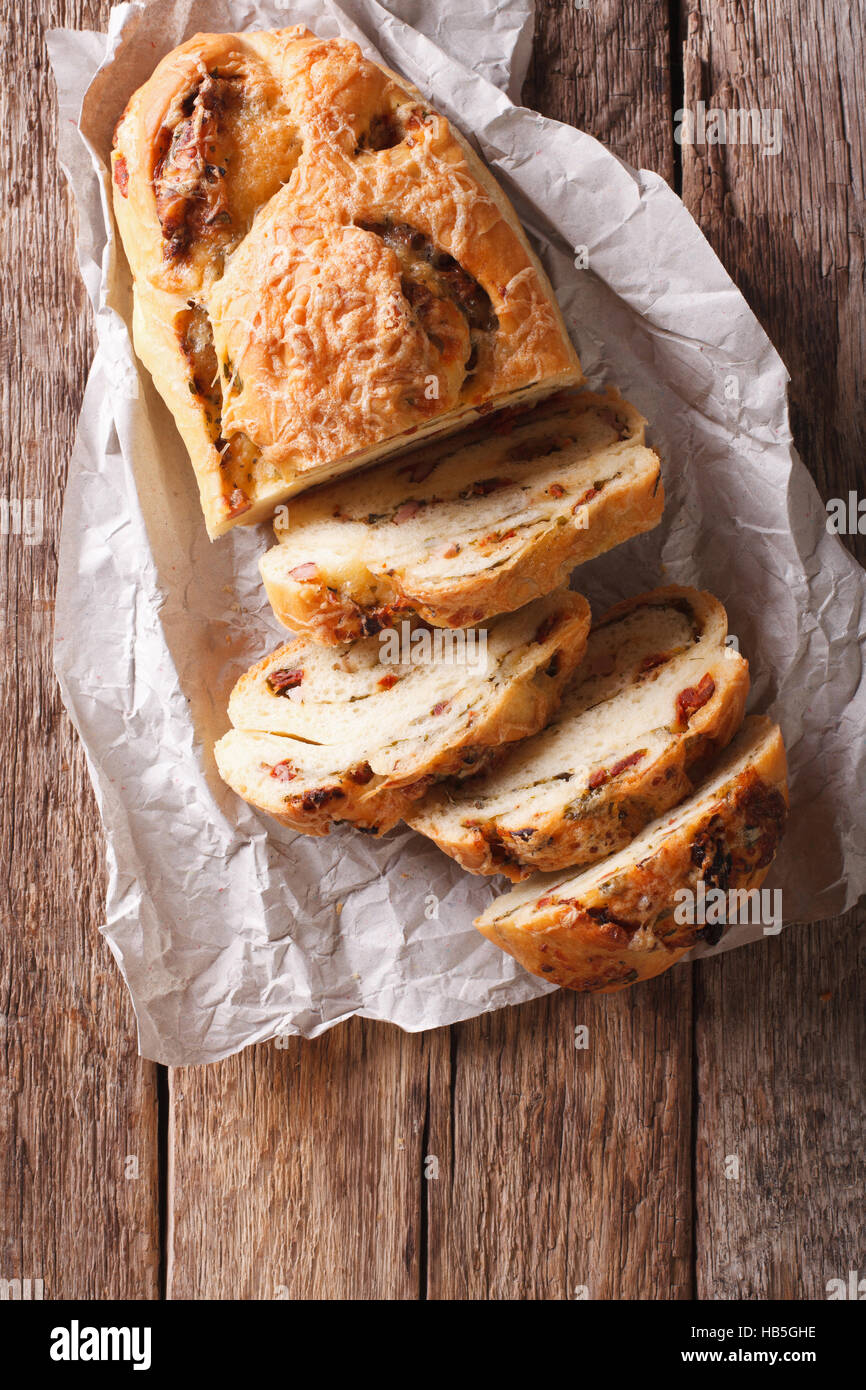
<point x="301" y="1173"/>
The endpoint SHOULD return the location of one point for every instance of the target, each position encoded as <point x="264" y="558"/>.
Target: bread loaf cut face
<point x="467" y="527"/>
<point x="657" y="694"/>
<point x="324" y="734"/>
<point x="619" y="921"/>
<point x="323" y="269"/>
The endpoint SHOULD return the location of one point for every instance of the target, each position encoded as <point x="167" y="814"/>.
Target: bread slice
<point x="656" y="693"/>
<point x="620" y="921"/>
<point x="324" y="735"/>
<point x="459" y="531"/>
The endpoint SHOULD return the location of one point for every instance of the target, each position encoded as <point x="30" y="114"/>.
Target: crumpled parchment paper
<point x="229" y="929"/>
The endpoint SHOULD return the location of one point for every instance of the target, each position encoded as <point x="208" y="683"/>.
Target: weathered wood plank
<point x="78" y="1161"/>
<point x="790" y="227"/>
<point x="314" y="1217"/>
<point x="779" y="1027"/>
<point x="604" y="66"/>
<point x="781" y="1050"/>
<point x="565" y="1171"/>
<point x="296" y="1172"/>
<point x="300" y="1173"/>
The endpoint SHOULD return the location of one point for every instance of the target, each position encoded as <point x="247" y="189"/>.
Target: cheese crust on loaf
<point x="323" y="269"/>
<point x="622" y="920"/>
<point x="326" y="734"/>
<point x="467" y="527"/>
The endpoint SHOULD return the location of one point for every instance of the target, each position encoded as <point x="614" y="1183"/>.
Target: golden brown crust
<point x="364" y="278"/>
<point x="595" y="934"/>
<point x="344" y="795"/>
<point x="300" y="762"/>
<point x="569" y="480"/>
<point x="629" y="797"/>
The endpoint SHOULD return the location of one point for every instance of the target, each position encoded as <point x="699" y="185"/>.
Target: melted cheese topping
<point x="363" y="277"/>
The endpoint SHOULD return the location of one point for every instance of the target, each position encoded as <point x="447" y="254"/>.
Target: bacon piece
<point x="238" y="502"/>
<point x="189" y="188"/>
<point x="284" y="771"/>
<point x="311" y="801"/>
<point x="281" y="682"/>
<point x="407" y="511"/>
<point x="482" y="487"/>
<point x="419" y="470"/>
<point x="309" y="570"/>
<point x="361" y="774"/>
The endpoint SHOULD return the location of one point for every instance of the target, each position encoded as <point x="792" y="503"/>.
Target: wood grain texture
<point x="780" y="1028"/>
<point x="296" y="1172"/>
<point x="565" y="1169"/>
<point x="522" y="1137"/>
<point x="781" y="1049"/>
<point x="605" y="67"/>
<point x="566" y="1172"/>
<point x="496" y="1159"/>
<point x="791" y="228"/>
<point x="78" y="1162"/>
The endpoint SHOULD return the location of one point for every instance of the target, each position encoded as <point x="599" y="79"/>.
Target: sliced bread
<point x="622" y="920"/>
<point x="459" y="531"/>
<point x="656" y="693"/>
<point x="324" y="735"/>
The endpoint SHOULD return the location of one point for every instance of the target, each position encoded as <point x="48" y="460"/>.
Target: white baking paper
<point x="229" y="929"/>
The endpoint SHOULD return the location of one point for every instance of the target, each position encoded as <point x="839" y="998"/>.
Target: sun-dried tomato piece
<point x="693" y="698"/>
<point x="121" y="175"/>
<point x="587" y="497"/>
<point x="605" y="774"/>
<point x="650" y="663"/>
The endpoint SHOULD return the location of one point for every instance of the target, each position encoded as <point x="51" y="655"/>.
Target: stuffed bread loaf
<point x="323" y="270"/>
<point x="326" y="734"/>
<point x="478" y="524"/>
<point x="626" y="918"/>
<point x="657" y="693"/>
